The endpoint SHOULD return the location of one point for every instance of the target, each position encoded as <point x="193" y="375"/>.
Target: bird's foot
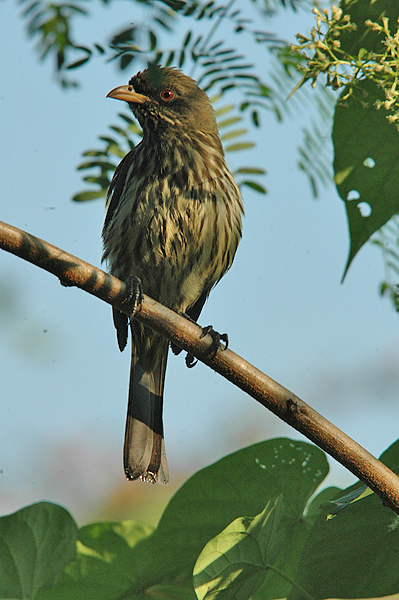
<point x="217" y="338"/>
<point x="191" y="361"/>
<point x="135" y="294"/>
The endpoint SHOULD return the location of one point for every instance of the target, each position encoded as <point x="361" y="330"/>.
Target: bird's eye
<point x="167" y="95"/>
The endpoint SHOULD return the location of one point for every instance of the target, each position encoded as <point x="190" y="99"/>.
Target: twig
<point x="291" y="409"/>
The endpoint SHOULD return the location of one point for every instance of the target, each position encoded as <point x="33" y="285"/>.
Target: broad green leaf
<point x="360" y="11"/>
<point x="315" y="507"/>
<point x="366" y="164"/>
<point x="358" y="491"/>
<point x="239" y="484"/>
<point x="167" y="592"/>
<point x="390" y="456"/>
<point x="354" y="555"/>
<point x="103" y="567"/>
<point x="36" y="544"/>
<point x="232" y="563"/>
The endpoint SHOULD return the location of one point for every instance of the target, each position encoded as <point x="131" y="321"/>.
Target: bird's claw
<point x="216" y="339"/>
<point x="135" y="294"/>
<point x="191" y="361"/>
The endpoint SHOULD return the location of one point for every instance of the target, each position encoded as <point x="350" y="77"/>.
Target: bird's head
<point x="163" y="98"/>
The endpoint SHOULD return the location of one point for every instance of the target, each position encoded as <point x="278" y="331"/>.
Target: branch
<point x="291" y="409"/>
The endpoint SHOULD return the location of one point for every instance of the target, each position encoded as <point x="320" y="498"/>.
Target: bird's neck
<point x="200" y="156"/>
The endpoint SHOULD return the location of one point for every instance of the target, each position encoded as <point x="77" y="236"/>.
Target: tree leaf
<point x="237" y="559"/>
<point x="254" y="186"/>
<point x="360" y="11"/>
<point x="351" y="556"/>
<point x="250" y="171"/>
<point x="239" y="484"/>
<point x="36" y="544"/>
<point x="103" y="566"/>
<point x="233" y="134"/>
<point x="366" y="163"/>
<point x="240" y="146"/>
<point x="88" y="195"/>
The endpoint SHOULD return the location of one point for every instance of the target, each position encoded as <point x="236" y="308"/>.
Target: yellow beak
<point x="127" y="93"/>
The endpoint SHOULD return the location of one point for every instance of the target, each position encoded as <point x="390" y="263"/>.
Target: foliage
<point x="366" y="171"/>
<point x="355" y="49"/>
<point x="248" y="526"/>
<point x="388" y="240"/>
<point x="217" y="67"/>
<point x="335" y="51"/>
<point x="51" y="26"/>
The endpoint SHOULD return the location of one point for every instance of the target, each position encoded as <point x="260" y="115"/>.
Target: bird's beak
<point x="127" y="93"/>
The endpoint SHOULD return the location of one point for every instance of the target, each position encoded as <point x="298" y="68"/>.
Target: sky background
<point x="63" y="381"/>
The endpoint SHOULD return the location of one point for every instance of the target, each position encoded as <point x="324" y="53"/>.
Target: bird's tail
<point x="144" y="449"/>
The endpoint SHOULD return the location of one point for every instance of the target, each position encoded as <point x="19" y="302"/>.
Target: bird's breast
<point x="177" y="235"/>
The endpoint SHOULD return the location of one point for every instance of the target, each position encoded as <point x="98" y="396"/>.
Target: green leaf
<point x="239" y="484"/>
<point x="170" y="58"/>
<point x="103" y="567"/>
<point x="250" y="171"/>
<point x="167" y="592"/>
<point x="358" y="491"/>
<point x="125" y="61"/>
<point x="232" y="134"/>
<point x="360" y="11"/>
<point x="118" y="130"/>
<point x="153" y="40"/>
<point x="363" y="137"/>
<point x="238" y="558"/>
<point x="36" y="544"/>
<point x="88" y="195"/>
<point x="224" y="109"/>
<point x="240" y="146"/>
<point x="390" y="456"/>
<point x="254" y="186"/>
<point x="127" y="118"/>
<point x="255" y="118"/>
<point x="354" y="555"/>
<point x="104" y="165"/>
<point x="187" y="39"/>
<point x="227" y="122"/>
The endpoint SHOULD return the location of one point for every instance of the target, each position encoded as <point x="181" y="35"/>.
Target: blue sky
<point x="63" y="380"/>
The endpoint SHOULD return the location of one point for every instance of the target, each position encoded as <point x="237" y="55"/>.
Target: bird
<point x="173" y="224"/>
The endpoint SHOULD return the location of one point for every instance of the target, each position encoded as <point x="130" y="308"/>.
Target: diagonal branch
<point x="291" y="409"/>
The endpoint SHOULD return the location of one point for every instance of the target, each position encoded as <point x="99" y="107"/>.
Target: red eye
<point x="167" y="95"/>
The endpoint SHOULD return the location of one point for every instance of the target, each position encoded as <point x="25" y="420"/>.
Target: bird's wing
<point x="114" y="195"/>
<point x="116" y="187"/>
